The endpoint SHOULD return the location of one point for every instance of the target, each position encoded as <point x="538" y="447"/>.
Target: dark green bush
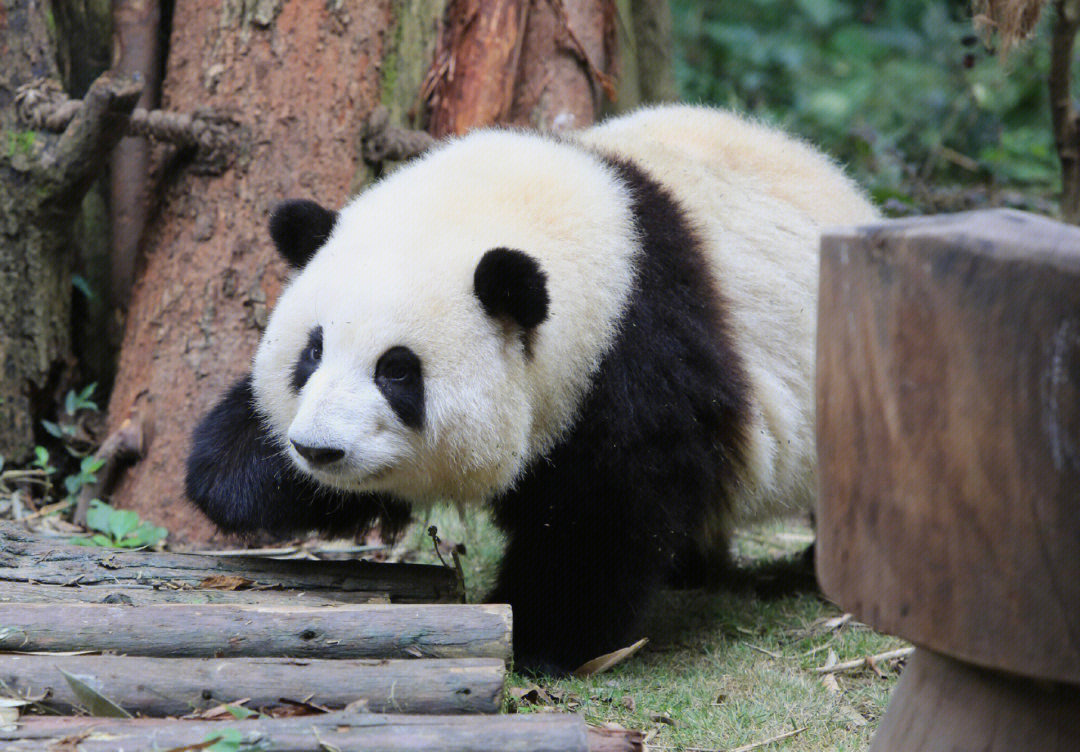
<point x="899" y="90"/>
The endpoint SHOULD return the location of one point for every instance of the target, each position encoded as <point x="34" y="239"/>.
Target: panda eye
<point x="307" y="362"/>
<point x="398" y="364"/>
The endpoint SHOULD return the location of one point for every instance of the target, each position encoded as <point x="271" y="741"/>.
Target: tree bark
<point x="43" y="178"/>
<point x="100" y="572"/>
<point x="367" y="731"/>
<point x="178" y="686"/>
<point x="1065" y="115"/>
<point x="301" y="75"/>
<point x="568" y="61"/>
<point x="203" y="631"/>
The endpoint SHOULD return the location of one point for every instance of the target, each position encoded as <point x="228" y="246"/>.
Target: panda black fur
<point x="609" y="337"/>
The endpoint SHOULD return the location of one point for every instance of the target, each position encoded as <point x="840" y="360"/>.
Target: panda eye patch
<point x="399" y="378"/>
<point x="309" y="360"/>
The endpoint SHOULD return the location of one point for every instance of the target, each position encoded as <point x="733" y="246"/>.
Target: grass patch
<point x="721" y="670"/>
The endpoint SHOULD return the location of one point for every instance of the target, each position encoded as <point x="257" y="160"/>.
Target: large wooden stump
<point x="948" y="404"/>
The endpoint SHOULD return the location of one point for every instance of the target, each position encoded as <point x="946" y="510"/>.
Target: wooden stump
<point x="948" y="403"/>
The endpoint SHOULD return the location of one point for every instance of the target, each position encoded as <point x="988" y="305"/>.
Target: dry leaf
<point x="95" y="702"/>
<point x="837" y="621"/>
<point x="226" y="582"/>
<point x="218" y="711"/>
<point x="831" y="685"/>
<point x="357" y="706"/>
<point x="604" y="662"/>
<point x="853" y="716"/>
<point x="663" y="718"/>
<point x="627" y="702"/>
<point x="9" y="714"/>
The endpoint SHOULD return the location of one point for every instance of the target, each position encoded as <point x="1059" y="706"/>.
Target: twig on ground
<point x="770" y="740"/>
<point x="867" y="660"/>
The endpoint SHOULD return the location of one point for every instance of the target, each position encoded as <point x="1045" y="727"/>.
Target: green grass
<point x="727" y="669"/>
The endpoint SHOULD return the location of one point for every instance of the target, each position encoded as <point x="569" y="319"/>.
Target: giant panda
<point x="606" y="336"/>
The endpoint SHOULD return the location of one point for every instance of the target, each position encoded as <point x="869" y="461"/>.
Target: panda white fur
<point x="609" y="337"/>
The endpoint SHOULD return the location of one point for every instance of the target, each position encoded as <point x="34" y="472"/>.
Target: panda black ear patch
<point x="299" y="228"/>
<point x="510" y="283"/>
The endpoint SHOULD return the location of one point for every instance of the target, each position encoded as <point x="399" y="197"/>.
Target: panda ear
<point x="511" y="283"/>
<point x="299" y="228"/>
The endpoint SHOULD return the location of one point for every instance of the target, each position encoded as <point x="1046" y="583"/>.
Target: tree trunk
<point x="1065" y="115"/>
<point x="303" y="76"/>
<point x="43" y="178"/>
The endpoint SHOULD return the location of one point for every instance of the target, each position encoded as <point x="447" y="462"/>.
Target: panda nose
<point x="319" y="456"/>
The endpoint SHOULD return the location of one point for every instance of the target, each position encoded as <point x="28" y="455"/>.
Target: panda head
<point x="385" y="370"/>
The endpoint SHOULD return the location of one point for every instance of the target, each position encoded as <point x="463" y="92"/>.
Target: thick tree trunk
<point x="1065" y="115"/>
<point x="43" y="179"/>
<point x="301" y="75"/>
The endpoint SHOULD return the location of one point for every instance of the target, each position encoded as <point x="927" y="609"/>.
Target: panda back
<point x="758" y="200"/>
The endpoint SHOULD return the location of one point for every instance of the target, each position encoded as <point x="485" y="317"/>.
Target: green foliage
<point x="21" y="142"/>
<point x="79" y="282"/>
<point x="118" y="528"/>
<point x="232" y="740"/>
<point x="901" y="91"/>
<point x="73" y="403"/>
<point x="85" y="475"/>
<point x="41" y="460"/>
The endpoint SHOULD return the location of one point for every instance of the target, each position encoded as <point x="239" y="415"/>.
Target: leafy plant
<point x="901" y="91"/>
<point x="232" y="740"/>
<point x="86" y="475"/>
<point x="118" y="528"/>
<point x="67" y="429"/>
<point x="41" y="460"/>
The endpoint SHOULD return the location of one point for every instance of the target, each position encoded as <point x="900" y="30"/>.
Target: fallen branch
<point x="125" y="444"/>
<point x="369" y="731"/>
<point x="25" y="558"/>
<point x="866" y="661"/>
<point x="177" y="686"/>
<point x="197" y="631"/>
<point x="215" y="137"/>
<point x="770" y="740"/>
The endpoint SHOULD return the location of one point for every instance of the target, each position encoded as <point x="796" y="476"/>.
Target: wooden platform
<point x="948" y="404"/>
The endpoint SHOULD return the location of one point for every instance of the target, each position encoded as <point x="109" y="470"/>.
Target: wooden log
<point x="132" y="595"/>
<point x="943" y="704"/>
<point x="220" y="630"/>
<point x="177" y="686"/>
<point x="341" y="731"/>
<point x="27" y="558"/>
<point x="948" y="405"/>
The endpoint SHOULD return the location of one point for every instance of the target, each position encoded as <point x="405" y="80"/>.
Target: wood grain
<point x="948" y="404"/>
<point x="942" y="704"/>
<point x="25" y="558"/>
<point x="225" y="630"/>
<point x="177" y="686"/>
<point x="555" y="732"/>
